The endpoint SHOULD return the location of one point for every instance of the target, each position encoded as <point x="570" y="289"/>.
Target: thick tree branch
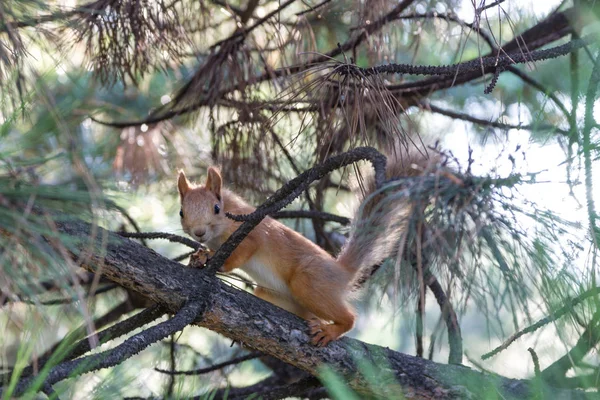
<point x="259" y="325"/>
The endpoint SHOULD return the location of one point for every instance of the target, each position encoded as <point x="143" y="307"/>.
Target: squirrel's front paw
<point x="200" y="258"/>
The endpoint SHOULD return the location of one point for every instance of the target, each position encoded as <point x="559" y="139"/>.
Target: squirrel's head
<point x="202" y="214"/>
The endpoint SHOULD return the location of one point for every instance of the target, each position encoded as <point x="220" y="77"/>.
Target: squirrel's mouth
<point x="201" y="239"/>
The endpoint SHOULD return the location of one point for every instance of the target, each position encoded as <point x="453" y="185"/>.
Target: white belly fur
<point x="263" y="276"/>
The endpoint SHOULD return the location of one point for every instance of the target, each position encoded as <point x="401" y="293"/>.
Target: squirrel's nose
<point x="199" y="232"/>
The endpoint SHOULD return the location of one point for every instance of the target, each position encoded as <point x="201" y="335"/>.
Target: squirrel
<point x="291" y="271"/>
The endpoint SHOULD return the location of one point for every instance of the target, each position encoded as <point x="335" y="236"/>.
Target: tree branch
<point x="261" y="326"/>
<point x="190" y="312"/>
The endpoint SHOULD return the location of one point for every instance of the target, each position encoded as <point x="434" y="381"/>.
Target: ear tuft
<point x="182" y="184"/>
<point x="214" y="181"/>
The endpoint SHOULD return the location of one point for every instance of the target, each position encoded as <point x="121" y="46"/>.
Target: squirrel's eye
<point x="181" y="212"/>
<point x="217" y="208"/>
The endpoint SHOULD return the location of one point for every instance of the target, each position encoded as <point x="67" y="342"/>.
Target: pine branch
<point x="84" y="345"/>
<point x="566" y="308"/>
<point x="484" y="122"/>
<point x="215" y="367"/>
<point x="249" y="320"/>
<point x="483" y="65"/>
<point x="290" y="191"/>
<point x="110" y="358"/>
<point x="588" y="340"/>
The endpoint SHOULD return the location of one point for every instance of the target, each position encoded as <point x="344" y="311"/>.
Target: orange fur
<point x="291" y="271"/>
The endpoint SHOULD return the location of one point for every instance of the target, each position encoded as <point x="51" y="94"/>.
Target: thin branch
<point x="587" y="341"/>
<point x="568" y="307"/>
<point x="241" y="34"/>
<point x="325" y="216"/>
<point x="485" y="122"/>
<point x="454" y="333"/>
<point x="483" y="64"/>
<point x="212" y="368"/>
<point x="290" y="191"/>
<point x="110" y="358"/>
<point x="84" y="345"/>
<point x="162" y="235"/>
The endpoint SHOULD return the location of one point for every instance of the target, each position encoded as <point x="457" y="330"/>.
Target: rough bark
<point x="256" y="324"/>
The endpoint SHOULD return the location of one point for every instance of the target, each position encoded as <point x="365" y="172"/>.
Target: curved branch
<point x="290" y="191"/>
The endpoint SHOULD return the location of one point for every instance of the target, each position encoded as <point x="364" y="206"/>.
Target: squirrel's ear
<point x="214" y="181"/>
<point x="182" y="184"/>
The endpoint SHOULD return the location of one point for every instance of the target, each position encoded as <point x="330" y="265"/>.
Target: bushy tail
<point x="380" y="226"/>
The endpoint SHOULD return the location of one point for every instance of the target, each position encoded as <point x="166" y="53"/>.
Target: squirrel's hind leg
<point x="326" y="299"/>
<point x="323" y="332"/>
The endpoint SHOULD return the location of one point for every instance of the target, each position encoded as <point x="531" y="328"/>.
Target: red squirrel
<point x="291" y="271"/>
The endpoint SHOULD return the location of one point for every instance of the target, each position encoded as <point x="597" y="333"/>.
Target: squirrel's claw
<point x="320" y="332"/>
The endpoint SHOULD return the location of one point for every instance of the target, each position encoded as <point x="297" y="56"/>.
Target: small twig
<point x="313" y="8"/>
<point x="536" y="362"/>
<point x="296" y="389"/>
<point x="215" y="367"/>
<point x="49" y="391"/>
<point x="569" y="304"/>
<point x="161" y="235"/>
<point x="240" y="34"/>
<point x="485" y="7"/>
<point x="485" y="122"/>
<point x="132" y="221"/>
<point x="69" y="300"/>
<point x="184" y="256"/>
<point x="312" y="214"/>
<point x="419" y="324"/>
<point x="172" y="350"/>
